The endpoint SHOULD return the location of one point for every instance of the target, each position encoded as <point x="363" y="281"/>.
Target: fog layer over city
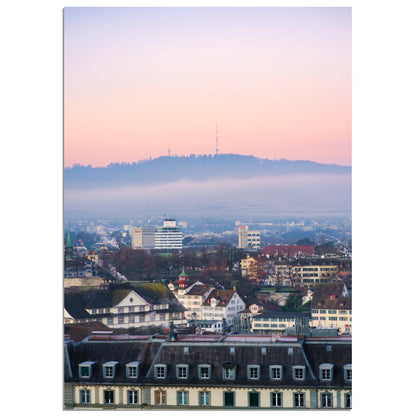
<point x="296" y="194"/>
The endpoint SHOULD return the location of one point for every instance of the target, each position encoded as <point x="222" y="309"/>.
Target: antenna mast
<point x="216" y="140"/>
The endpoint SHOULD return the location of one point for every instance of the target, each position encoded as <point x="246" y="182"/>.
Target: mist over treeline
<point x="202" y="167"/>
<point x="204" y="186"/>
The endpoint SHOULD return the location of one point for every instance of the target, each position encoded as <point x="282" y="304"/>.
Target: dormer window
<point x="85" y="369"/>
<point x="182" y="371"/>
<point x="132" y="369"/>
<point x="276" y="372"/>
<point x="253" y="372"/>
<point x="109" y="369"/>
<point x="228" y="372"/>
<point x="325" y="372"/>
<point x="348" y="373"/>
<point x="160" y="370"/>
<point x="204" y="371"/>
<point x="298" y="372"/>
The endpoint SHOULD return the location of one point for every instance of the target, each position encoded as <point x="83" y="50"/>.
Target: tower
<point x="216" y="140"/>
<point x="69" y="250"/>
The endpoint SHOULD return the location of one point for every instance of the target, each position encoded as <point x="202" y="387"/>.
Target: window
<point x="298" y="373"/>
<point x="348" y="401"/>
<point x="131" y="308"/>
<point x="121" y="319"/>
<point x="204" y="398"/>
<point x="132" y="397"/>
<point x="132" y="369"/>
<point x="275" y="372"/>
<point x="141" y="318"/>
<point x="253" y="399"/>
<point x="182" y="398"/>
<point x="108" y="396"/>
<point x="253" y="372"/>
<point x="120" y="310"/>
<point x="299" y="399"/>
<point x="348" y="372"/>
<point x="182" y="371"/>
<point x="131" y="319"/>
<point x="84" y="396"/>
<point x="325" y="372"/>
<point x="228" y="398"/>
<point x="160" y="398"/>
<point x="326" y="400"/>
<point x="108" y="372"/>
<point x="110" y="321"/>
<point x="276" y="399"/>
<point x="109" y="369"/>
<point x="160" y="371"/>
<point x="204" y="372"/>
<point x="228" y="373"/>
<point x="85" y="369"/>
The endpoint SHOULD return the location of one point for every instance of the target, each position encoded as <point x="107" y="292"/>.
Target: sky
<point x="147" y="82"/>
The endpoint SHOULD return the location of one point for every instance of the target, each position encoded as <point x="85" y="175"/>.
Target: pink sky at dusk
<point x="141" y="81"/>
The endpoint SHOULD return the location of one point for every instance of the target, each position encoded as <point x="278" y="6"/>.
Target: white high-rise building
<point x="169" y="236"/>
<point x="248" y="239"/>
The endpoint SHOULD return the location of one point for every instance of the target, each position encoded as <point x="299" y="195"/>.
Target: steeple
<point x="69" y="250"/>
<point x="69" y="239"/>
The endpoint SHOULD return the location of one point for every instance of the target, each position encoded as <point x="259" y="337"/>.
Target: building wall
<point x="333" y="318"/>
<point x="146" y="396"/>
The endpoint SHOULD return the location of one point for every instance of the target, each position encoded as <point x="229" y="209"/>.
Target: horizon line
<point x="213" y="155"/>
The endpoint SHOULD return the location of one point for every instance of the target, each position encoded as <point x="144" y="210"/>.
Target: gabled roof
<point x="223" y="297"/>
<point x="198" y="290"/>
<point x="329" y="296"/>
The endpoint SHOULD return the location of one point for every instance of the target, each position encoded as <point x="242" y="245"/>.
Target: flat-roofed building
<point x="168" y="236"/>
<point x="248" y="238"/>
<point x="143" y="238"/>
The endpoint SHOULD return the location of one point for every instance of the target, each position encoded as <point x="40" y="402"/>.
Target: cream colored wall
<point x="216" y="395"/>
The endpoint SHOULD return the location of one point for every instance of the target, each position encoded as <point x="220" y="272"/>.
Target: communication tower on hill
<point x="216" y="140"/>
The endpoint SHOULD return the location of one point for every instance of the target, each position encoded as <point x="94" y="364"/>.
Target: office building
<point x="168" y="236"/>
<point x="143" y="238"/>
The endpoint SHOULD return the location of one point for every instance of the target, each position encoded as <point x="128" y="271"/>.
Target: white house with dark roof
<point x="222" y="304"/>
<point x="125" y="306"/>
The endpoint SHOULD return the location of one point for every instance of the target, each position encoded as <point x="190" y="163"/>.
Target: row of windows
<point x="253" y="372"/>
<point x="205" y="371"/>
<point x="182" y="398"/>
<point x="331" y="311"/>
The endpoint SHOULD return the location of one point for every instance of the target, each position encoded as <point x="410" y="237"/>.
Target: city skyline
<point x="146" y="82"/>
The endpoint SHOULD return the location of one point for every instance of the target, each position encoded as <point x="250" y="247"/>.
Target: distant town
<point x="162" y="312"/>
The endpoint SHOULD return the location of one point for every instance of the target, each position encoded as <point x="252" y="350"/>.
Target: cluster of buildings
<point x="172" y="371"/>
<point x="210" y="348"/>
<point x="166" y="237"/>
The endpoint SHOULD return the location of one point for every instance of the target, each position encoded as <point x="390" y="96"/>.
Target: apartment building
<point x="212" y="372"/>
<point x="248" y="238"/>
<point x="311" y="272"/>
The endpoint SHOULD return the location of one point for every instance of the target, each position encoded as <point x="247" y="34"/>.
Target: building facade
<point x="143" y="238"/>
<point x="211" y="372"/>
<point x="125" y="306"/>
<point x="248" y="238"/>
<point x="169" y="236"/>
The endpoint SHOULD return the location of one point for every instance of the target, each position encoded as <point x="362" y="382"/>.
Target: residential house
<point x="222" y="304"/>
<point x="331" y="307"/>
<point x="127" y="305"/>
